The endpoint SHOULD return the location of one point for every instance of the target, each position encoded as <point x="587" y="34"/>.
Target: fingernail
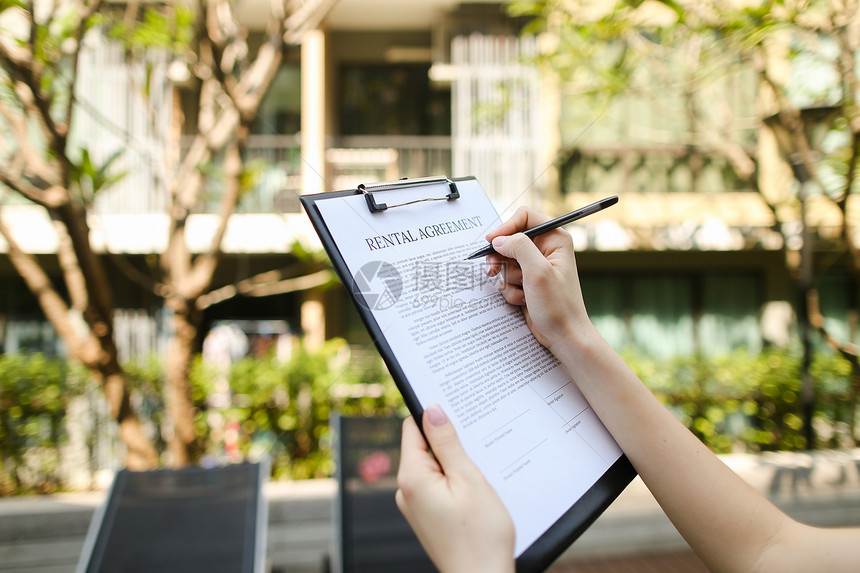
<point x="499" y="241"/>
<point x="437" y="415"/>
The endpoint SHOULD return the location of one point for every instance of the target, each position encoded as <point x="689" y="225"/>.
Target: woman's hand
<point x="456" y="514"/>
<point x="540" y="275"/>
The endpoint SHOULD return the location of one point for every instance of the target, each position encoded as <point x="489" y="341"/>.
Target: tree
<point x="39" y="75"/>
<point x="667" y="52"/>
<point x="232" y="82"/>
<point x="37" y="82"/>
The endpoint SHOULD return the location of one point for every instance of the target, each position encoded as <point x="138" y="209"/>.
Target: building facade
<point x="687" y="261"/>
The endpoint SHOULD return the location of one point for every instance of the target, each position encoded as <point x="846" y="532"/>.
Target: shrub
<point x="283" y="410"/>
<point x="35" y="392"/>
<point x="265" y="408"/>
<point x="752" y="402"/>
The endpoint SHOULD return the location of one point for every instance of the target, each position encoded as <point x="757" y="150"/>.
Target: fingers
<point x="415" y="458"/>
<point x="524" y="218"/>
<point x="506" y="269"/>
<point x="494" y="264"/>
<point x="511" y="283"/>
<point x="512" y="273"/>
<point x="456" y="514"/>
<point x="521" y="248"/>
<point x="551" y="245"/>
<point x="417" y="467"/>
<point x="524" y="259"/>
<point x="417" y="463"/>
<point x="420" y="470"/>
<point x="444" y="442"/>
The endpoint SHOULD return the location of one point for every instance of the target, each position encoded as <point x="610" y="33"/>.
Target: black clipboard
<point x="574" y="522"/>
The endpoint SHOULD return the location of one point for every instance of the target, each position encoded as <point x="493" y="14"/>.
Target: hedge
<point x="736" y="402"/>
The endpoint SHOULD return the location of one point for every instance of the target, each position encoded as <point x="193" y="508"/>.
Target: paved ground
<point x="44" y="534"/>
<point x="676" y="562"/>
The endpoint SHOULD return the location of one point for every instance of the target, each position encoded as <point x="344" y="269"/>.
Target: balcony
<point x="370" y="158"/>
<point x="277" y="165"/>
<point x="624" y="168"/>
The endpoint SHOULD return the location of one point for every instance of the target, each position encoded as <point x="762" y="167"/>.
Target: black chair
<point x="371" y="534"/>
<point x="193" y="519"/>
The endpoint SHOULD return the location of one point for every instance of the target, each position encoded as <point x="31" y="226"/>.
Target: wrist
<point x="578" y="343"/>
<point x="575" y="335"/>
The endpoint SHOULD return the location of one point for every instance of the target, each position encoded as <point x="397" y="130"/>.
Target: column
<point x="313" y="112"/>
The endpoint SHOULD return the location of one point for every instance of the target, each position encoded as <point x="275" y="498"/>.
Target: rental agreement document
<point x="456" y="341"/>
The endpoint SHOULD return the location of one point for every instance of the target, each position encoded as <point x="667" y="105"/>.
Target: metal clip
<point x="369" y="190"/>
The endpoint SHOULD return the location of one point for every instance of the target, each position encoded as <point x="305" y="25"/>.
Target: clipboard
<point x="574" y="518"/>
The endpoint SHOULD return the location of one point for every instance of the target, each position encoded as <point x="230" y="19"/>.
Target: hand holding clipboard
<point x="448" y="337"/>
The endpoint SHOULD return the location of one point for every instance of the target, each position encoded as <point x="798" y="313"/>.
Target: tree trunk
<point x="182" y="442"/>
<point x="141" y="454"/>
<point x="96" y="349"/>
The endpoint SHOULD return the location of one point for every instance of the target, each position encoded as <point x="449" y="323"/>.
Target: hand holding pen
<point x="554" y="223"/>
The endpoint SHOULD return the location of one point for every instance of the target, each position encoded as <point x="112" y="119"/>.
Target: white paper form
<point x="520" y="417"/>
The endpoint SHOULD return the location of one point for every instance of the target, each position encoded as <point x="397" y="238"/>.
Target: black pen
<point x="555" y="223"/>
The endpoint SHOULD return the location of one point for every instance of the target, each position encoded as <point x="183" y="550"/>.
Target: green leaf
<point x="90" y="178"/>
<point x="7" y="4"/>
<point x="169" y="28"/>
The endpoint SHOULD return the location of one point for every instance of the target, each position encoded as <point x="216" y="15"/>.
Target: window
<point x="836" y="301"/>
<point x="672" y="314"/>
<point x="729" y="313"/>
<point x="661" y="321"/>
<point x="392" y="100"/>
<point x="281" y="110"/>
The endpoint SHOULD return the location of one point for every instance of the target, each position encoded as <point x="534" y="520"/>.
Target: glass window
<point x="662" y="319"/>
<point x="392" y="100"/>
<point x="729" y="314"/>
<point x="604" y="299"/>
<point x="31" y="336"/>
<point x="281" y="109"/>
<point x="676" y="314"/>
<point x="835" y="301"/>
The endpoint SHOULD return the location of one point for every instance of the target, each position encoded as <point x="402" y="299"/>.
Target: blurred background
<point x="166" y="303"/>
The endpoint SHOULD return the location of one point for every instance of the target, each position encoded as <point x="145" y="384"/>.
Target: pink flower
<point x="374" y="466"/>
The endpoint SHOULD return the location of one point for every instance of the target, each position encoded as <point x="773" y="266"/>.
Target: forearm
<point x="729" y="525"/>
<point x="710" y="505"/>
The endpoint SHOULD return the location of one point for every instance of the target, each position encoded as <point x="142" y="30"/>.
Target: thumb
<point x="521" y="248"/>
<point x="443" y="440"/>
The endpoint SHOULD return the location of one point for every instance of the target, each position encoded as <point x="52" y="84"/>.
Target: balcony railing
<point x="617" y="169"/>
<point x="276" y="163"/>
<point x="414" y="156"/>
